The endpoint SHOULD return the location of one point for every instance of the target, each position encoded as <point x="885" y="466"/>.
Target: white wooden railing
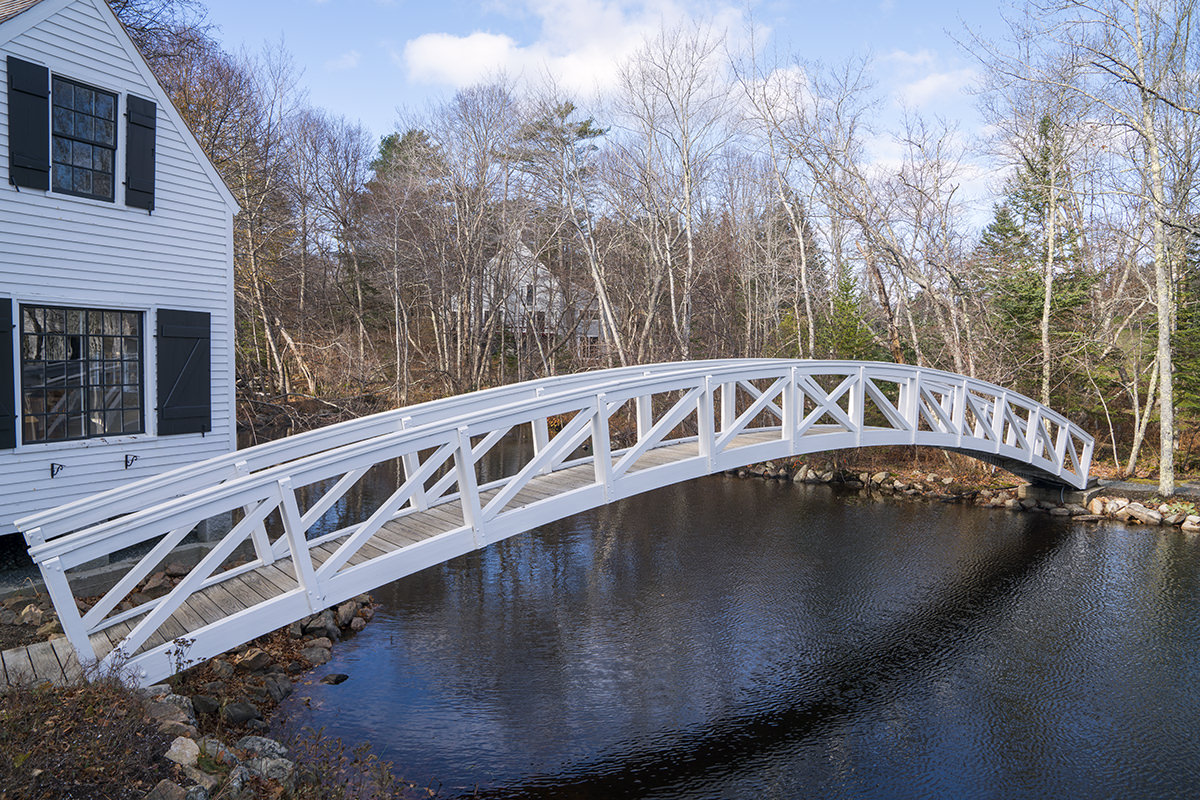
<point x="729" y="413"/>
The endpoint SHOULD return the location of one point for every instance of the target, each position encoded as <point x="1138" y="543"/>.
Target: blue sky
<point x="365" y="58"/>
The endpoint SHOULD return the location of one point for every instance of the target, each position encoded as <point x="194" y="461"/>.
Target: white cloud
<point x="347" y="60"/>
<point x="441" y="58"/>
<point x="581" y="43"/>
<point x="937" y="87"/>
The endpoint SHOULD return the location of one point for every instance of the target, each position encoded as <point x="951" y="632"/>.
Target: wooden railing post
<point x="69" y="617"/>
<point x="959" y="411"/>
<point x="706" y="424"/>
<point x="541" y="434"/>
<point x="858" y="405"/>
<point x="793" y="402"/>
<point x="262" y="544"/>
<point x="728" y="405"/>
<point x="601" y="446"/>
<point x="293" y="529"/>
<point x="645" y="412"/>
<point x="412" y="462"/>
<point x="468" y="485"/>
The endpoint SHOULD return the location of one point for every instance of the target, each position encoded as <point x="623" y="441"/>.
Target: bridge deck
<point x="56" y="662"/>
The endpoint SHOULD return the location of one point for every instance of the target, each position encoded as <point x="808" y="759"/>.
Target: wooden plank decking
<point x="55" y="662"/>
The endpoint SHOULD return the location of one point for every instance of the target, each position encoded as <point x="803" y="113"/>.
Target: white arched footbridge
<point x="597" y="437"/>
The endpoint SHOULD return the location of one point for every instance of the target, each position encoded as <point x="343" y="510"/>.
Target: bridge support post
<point x="728" y="405"/>
<point x="60" y="593"/>
<point x="793" y="401"/>
<point x="468" y="486"/>
<point x="541" y="435"/>
<point x="858" y="405"/>
<point x="706" y="423"/>
<point x="411" y="464"/>
<point x="645" y="415"/>
<point x="262" y="545"/>
<point x="601" y="445"/>
<point x="293" y="529"/>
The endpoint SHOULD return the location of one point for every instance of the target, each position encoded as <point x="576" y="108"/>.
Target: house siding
<point x="63" y="250"/>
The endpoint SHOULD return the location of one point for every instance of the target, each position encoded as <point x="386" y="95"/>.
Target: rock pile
<point x="235" y="691"/>
<point x="1182" y="515"/>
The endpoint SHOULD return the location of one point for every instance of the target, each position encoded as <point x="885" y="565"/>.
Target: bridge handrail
<point x="234" y="492"/>
<point x="85" y="512"/>
<point x="438" y="420"/>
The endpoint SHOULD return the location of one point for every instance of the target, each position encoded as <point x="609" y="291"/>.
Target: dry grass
<point x="90" y="741"/>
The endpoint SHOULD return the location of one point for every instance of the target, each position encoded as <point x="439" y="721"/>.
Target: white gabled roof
<point x="18" y="16"/>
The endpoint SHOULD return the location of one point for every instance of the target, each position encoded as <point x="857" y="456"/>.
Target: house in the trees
<point x="533" y="302"/>
<point x="116" y="266"/>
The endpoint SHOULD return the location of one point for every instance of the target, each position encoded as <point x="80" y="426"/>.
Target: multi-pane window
<point x="84" y="139"/>
<point x="81" y="373"/>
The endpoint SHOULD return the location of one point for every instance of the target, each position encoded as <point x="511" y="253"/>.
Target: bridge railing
<point x="729" y="412"/>
<point x="45" y="525"/>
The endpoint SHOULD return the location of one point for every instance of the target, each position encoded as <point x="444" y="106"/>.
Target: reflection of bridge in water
<point x="685" y="420"/>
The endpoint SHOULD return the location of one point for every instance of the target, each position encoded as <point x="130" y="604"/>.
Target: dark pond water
<point x="750" y="639"/>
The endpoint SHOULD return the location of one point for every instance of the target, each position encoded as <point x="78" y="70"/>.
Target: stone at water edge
<point x="183" y="751"/>
<point x="240" y="713"/>
<point x="1060" y="512"/>
<point x="1096" y="505"/>
<point x="879" y="477"/>
<point x="315" y="655"/>
<point x="1146" y="516"/>
<point x="334" y="678"/>
<point x="346" y="612"/>
<point x="273" y="769"/>
<point x="278" y="686"/>
<point x="216" y="750"/>
<point x="261" y="747"/>
<point x="357" y="624"/>
<point x="1191" y="524"/>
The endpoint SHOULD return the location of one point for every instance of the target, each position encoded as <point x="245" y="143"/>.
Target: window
<point x="84" y="139"/>
<point x="81" y="373"/>
<point x="66" y="140"/>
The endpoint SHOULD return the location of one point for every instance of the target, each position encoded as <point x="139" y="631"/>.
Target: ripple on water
<point x="748" y="639"/>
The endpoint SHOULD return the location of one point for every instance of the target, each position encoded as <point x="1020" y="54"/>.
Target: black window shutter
<point x="184" y="374"/>
<point x="8" y="402"/>
<point x="28" y="124"/>
<point x="140" y="123"/>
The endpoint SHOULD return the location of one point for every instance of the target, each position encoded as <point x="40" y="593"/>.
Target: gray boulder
<point x="261" y="747"/>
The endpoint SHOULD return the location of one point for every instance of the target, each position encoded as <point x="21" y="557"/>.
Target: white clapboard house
<point x="116" y="266"/>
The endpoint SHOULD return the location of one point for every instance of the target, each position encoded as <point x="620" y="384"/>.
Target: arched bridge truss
<point x="597" y="437"/>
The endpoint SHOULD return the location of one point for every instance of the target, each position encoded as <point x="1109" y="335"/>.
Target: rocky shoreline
<point x="216" y="714"/>
<point x="1091" y="506"/>
<point x="208" y="708"/>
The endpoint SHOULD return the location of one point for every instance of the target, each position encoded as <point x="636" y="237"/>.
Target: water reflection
<point x="732" y="638"/>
